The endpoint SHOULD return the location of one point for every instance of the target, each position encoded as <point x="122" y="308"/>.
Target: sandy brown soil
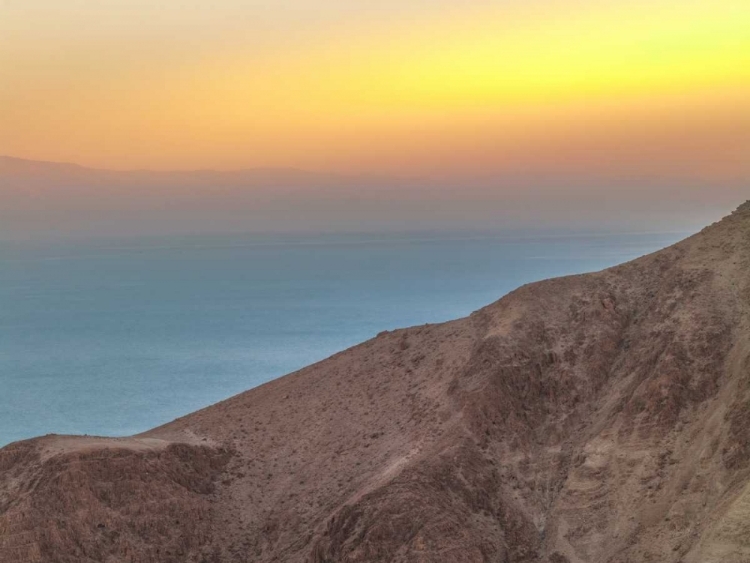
<point x="595" y="418"/>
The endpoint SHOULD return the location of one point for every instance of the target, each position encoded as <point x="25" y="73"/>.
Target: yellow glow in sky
<point x="408" y="88"/>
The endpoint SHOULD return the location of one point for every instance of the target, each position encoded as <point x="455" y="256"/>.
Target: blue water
<point x="114" y="337"/>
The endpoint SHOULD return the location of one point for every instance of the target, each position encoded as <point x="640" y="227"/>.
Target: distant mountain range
<point x="54" y="199"/>
<point x="66" y="173"/>
<point x="67" y="198"/>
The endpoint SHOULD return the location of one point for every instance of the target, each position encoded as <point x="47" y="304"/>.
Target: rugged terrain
<point x="595" y="418"/>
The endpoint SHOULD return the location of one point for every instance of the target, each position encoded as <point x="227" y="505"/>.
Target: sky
<point x="607" y="95"/>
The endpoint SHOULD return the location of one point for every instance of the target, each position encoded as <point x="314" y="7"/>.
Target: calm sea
<point x="114" y="337"/>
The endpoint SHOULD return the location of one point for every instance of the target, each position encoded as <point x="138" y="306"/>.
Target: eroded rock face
<point x="595" y="418"/>
<point x="107" y="504"/>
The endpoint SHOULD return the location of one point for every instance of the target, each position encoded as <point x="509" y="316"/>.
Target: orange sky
<point x="596" y="89"/>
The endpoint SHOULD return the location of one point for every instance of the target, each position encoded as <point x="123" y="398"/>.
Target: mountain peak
<point x="743" y="209"/>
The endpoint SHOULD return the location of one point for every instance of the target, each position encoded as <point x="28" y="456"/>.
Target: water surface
<point x="114" y="337"/>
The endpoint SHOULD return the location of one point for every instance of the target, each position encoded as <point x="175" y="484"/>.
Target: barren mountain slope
<point x="594" y="418"/>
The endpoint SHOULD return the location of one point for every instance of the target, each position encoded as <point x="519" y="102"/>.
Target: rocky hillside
<point x="600" y="418"/>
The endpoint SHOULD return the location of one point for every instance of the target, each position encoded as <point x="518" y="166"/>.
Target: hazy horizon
<point x="60" y="200"/>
